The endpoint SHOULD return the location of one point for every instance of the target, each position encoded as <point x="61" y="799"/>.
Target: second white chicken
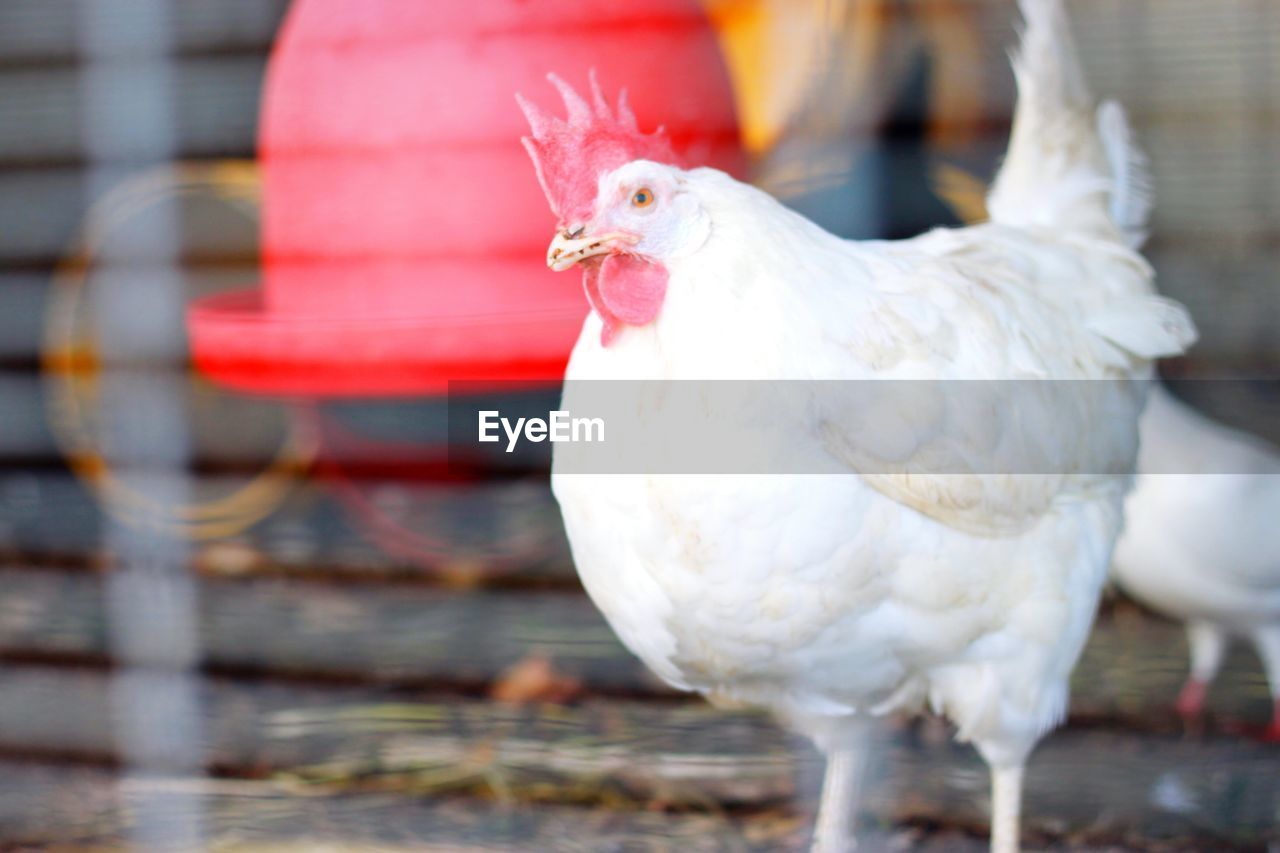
<point x="1202" y="541"/>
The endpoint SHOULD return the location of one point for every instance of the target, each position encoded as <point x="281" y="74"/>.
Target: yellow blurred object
<point x="743" y="27"/>
<point x="964" y="192"/>
<point x="778" y="50"/>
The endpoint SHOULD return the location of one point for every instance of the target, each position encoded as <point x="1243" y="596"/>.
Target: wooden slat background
<point x="347" y="681"/>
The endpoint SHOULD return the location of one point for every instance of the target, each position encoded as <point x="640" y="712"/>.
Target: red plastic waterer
<point x="403" y="227"/>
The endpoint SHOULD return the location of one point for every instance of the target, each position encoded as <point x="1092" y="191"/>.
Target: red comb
<point x="571" y="155"/>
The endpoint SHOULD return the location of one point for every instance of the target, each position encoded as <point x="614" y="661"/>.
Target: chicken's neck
<point x="752" y="302"/>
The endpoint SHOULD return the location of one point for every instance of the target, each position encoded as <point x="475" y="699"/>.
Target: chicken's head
<point x="619" y="199"/>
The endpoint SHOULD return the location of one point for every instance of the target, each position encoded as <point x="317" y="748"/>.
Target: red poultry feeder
<point x="403" y="226"/>
<point x="404" y="230"/>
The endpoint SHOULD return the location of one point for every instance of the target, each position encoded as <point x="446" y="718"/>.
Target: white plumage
<point x="1201" y="542"/>
<point x="825" y="598"/>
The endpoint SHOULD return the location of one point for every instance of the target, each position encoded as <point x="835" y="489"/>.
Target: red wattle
<point x="624" y="290"/>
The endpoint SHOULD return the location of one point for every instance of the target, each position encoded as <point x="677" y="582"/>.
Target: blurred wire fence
<point x="227" y="620"/>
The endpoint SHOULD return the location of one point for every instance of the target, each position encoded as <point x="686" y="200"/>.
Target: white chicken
<point x="1201" y="541"/>
<point x="826" y="598"/>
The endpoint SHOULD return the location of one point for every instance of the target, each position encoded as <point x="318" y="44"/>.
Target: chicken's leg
<point x="1267" y="641"/>
<point x="1006" y="807"/>
<point x="1208" y="644"/>
<point x="841" y="787"/>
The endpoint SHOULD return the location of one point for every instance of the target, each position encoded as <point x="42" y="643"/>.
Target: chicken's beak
<point x="570" y="247"/>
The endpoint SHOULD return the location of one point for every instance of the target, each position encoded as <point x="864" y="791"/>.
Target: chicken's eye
<point x="643" y="197"/>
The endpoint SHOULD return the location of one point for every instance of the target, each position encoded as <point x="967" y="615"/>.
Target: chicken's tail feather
<point x="1048" y="68"/>
<point x="1068" y="167"/>
<point x="1132" y="190"/>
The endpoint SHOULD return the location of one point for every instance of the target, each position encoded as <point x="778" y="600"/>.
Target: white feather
<point x="846" y="592"/>
<point x="1067" y="164"/>
<point x="1132" y="190"/>
<point x="1150" y="327"/>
